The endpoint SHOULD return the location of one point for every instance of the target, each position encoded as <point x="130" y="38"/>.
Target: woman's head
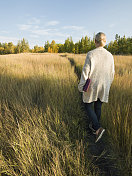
<point x="100" y="39"/>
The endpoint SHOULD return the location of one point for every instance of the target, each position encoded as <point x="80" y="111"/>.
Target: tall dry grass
<point x="39" y="118"/>
<point x="116" y="115"/>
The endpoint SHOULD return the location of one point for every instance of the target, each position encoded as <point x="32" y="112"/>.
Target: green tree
<point x="1" y="50"/>
<point x="18" y="47"/>
<point x="24" y="46"/>
<point x="46" y="46"/>
<point x="82" y="47"/>
<point x="5" y="46"/>
<point x="92" y="43"/>
<point x="11" y="48"/>
<point x="117" y="37"/>
<point x="76" y="48"/>
<point x="129" y="45"/>
<point x="60" y="48"/>
<point x="67" y="45"/>
<point x="115" y="48"/>
<point x="72" y="46"/>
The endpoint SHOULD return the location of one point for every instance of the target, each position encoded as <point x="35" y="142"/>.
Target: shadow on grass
<point x="40" y="93"/>
<point x="77" y="68"/>
<point x="18" y="94"/>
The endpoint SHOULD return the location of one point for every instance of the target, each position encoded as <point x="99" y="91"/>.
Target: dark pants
<point x="94" y="114"/>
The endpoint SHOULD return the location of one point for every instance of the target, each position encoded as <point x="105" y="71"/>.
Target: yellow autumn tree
<point x="54" y="47"/>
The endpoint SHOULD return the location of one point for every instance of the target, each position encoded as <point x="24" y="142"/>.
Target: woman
<point x="99" y="68"/>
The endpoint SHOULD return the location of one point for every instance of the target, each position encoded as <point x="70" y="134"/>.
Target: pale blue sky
<point x="42" y="20"/>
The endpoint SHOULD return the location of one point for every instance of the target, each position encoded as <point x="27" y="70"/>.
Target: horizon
<point x="41" y="21"/>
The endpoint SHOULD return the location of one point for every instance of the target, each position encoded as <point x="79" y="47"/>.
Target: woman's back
<point x="99" y="67"/>
<point x="102" y="65"/>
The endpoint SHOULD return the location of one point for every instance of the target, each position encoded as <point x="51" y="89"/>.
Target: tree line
<point x="9" y="48"/>
<point x="121" y="45"/>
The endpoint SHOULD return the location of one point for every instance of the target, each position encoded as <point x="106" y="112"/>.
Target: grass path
<point x="100" y="152"/>
<point x="116" y="115"/>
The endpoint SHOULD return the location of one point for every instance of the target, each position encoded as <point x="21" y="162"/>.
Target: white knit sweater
<point x="99" y="67"/>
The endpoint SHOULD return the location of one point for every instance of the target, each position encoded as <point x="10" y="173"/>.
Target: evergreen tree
<point x="72" y="46"/>
<point x="46" y="46"/>
<point x="67" y="45"/>
<point x="92" y="44"/>
<point x="60" y="48"/>
<point x="129" y="44"/>
<point x="18" y="47"/>
<point x="86" y="44"/>
<point x="117" y="37"/>
<point x="82" y="47"/>
<point x="76" y="48"/>
<point x="79" y="47"/>
<point x="115" y="47"/>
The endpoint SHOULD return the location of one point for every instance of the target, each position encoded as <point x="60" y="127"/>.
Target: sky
<point x="40" y="20"/>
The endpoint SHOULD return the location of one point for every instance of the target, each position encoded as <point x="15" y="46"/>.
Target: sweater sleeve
<point x="85" y="73"/>
<point x="113" y="71"/>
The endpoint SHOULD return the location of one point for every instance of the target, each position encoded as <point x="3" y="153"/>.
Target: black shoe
<point x="100" y="133"/>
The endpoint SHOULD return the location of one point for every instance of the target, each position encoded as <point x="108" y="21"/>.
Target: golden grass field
<point x="41" y="127"/>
